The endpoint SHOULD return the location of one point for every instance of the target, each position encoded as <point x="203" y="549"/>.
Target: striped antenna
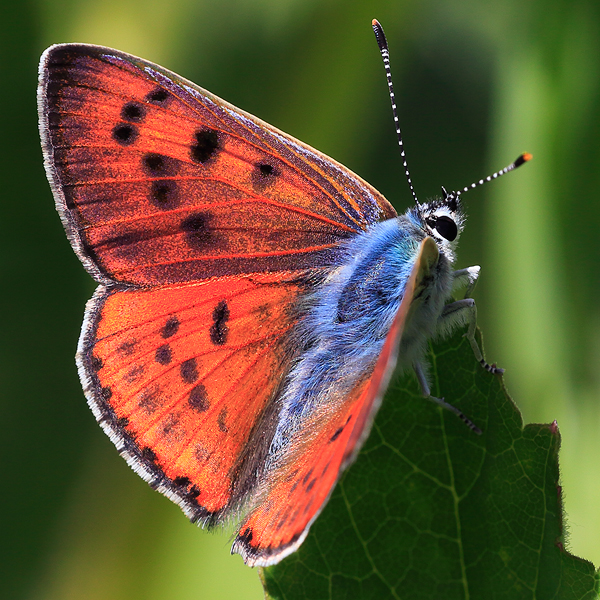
<point x="385" y="54"/>
<point x="521" y="160"/>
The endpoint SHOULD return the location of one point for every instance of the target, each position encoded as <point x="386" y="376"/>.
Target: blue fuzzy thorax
<point x="348" y="318"/>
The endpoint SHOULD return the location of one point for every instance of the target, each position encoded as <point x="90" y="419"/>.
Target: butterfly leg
<point x="466" y="310"/>
<point x="466" y="278"/>
<point x="422" y="379"/>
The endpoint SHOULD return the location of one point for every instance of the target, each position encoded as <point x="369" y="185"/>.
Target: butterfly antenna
<point x="517" y="163"/>
<point x="385" y="55"/>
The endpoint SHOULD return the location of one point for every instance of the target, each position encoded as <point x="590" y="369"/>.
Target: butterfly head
<point x="443" y="218"/>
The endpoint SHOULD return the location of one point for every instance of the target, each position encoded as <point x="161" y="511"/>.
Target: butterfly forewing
<point x="159" y="182"/>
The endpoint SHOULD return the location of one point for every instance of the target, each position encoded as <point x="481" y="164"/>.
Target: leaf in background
<point x="431" y="510"/>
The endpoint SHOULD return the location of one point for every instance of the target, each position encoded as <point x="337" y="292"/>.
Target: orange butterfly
<point x="252" y="292"/>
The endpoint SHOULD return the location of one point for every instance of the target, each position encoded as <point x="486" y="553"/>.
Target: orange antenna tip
<point x="522" y="159"/>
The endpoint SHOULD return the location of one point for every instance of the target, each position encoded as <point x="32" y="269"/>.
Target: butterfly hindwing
<point x="178" y="377"/>
<point x="325" y="445"/>
<point x="158" y="181"/>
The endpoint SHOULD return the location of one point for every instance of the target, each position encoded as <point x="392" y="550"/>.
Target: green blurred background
<point x="477" y="83"/>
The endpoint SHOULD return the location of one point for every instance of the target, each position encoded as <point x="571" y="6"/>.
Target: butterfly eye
<point x="447" y="228"/>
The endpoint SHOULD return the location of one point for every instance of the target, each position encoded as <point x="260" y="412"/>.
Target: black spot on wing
<point x="134" y="112"/>
<point x="158" y="96"/>
<point x="164" y="194"/>
<point x="163" y="355"/>
<point x="339" y="430"/>
<point x="198" y="399"/>
<point x="148" y="454"/>
<point x="337" y="434"/>
<point x="206" y="145"/>
<point x="264" y="174"/>
<point x="125" y="134"/>
<point x="181" y="481"/>
<point x="266" y="170"/>
<point x="170" y="328"/>
<point x="189" y="370"/>
<point x="219" y="329"/>
<point x="159" y="165"/>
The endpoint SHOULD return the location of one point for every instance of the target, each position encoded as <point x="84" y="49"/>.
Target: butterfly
<point x="254" y="295"/>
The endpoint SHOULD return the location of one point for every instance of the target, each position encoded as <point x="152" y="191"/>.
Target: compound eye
<point x="447" y="228"/>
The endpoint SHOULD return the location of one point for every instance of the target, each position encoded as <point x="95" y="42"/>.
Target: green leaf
<point x="431" y="510"/>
